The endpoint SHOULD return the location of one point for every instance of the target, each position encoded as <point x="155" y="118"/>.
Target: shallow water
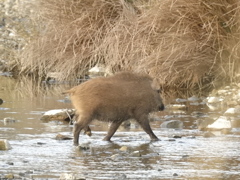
<point x="36" y="154"/>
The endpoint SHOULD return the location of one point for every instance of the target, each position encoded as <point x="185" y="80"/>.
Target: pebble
<point x="4" y="144"/>
<point x="208" y="134"/>
<point x="62" y="137"/>
<point x="123" y="148"/>
<point x="135" y="154"/>
<point x="173" y="124"/>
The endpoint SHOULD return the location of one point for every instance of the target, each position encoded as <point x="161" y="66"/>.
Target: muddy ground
<point x="36" y="154"/>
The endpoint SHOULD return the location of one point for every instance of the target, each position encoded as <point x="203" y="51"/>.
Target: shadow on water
<point x="36" y="154"/>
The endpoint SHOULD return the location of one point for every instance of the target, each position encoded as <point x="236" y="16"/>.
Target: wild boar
<point x="115" y="99"/>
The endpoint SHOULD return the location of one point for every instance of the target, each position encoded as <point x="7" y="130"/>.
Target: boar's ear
<point x="155" y="84"/>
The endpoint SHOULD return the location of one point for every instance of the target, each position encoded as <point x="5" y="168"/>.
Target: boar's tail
<point x="70" y="91"/>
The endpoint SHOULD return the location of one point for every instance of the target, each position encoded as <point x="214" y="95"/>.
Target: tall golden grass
<point x="182" y="43"/>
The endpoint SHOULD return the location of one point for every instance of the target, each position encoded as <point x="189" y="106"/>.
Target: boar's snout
<point x="161" y="107"/>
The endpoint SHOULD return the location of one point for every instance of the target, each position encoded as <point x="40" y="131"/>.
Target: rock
<point x="179" y="100"/>
<point x="202" y="124"/>
<point x="9" y="120"/>
<point x="84" y="147"/>
<point x="221" y="123"/>
<point x="1" y="101"/>
<point x="176" y="106"/>
<point x="4" y="144"/>
<point x="9" y="176"/>
<point x="208" y="134"/>
<point x="116" y="157"/>
<point x="62" y="137"/>
<point x="135" y="154"/>
<point x="214" y="99"/>
<point x="68" y="176"/>
<point x="193" y="98"/>
<point x="58" y="114"/>
<point x="231" y="111"/>
<point x="99" y="70"/>
<point x="174" y="124"/>
<point x="123" y="148"/>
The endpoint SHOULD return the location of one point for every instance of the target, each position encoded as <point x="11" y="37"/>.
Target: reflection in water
<point x="36" y="153"/>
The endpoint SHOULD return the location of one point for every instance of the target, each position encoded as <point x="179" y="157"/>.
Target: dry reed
<point x="182" y="43"/>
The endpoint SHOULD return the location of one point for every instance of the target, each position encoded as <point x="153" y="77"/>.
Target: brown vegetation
<point x="115" y="99"/>
<point x="183" y="43"/>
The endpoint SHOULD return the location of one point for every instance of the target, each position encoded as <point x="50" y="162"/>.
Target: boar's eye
<point x="158" y="91"/>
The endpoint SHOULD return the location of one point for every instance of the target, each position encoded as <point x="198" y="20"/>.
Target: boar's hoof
<point x="155" y="139"/>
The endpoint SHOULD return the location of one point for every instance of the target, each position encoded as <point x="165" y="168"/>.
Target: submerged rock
<point x="62" y="137"/>
<point x="69" y="176"/>
<point x="174" y="124"/>
<point x="58" y="114"/>
<point x="4" y="144"/>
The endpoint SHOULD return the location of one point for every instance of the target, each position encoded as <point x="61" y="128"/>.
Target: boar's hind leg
<point x="143" y="121"/>
<point x="114" y="126"/>
<point x="81" y="123"/>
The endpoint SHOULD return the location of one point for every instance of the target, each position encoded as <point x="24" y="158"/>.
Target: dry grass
<point x="183" y="43"/>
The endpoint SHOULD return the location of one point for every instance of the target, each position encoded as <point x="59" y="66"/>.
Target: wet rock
<point x="135" y="154"/>
<point x="123" y="148"/>
<point x="41" y="143"/>
<point x="69" y="176"/>
<point x="62" y="137"/>
<point x="9" y="120"/>
<point x="58" y="114"/>
<point x="99" y="70"/>
<point x="4" y="144"/>
<point x="203" y="123"/>
<point x="84" y="147"/>
<point x="1" y="101"/>
<point x="221" y="123"/>
<point x="177" y="136"/>
<point x="208" y="134"/>
<point x="214" y="99"/>
<point x="193" y="98"/>
<point x="232" y="111"/>
<point x="176" y="106"/>
<point x="9" y="176"/>
<point x="174" y="124"/>
<point x="116" y="157"/>
<point x="179" y="100"/>
<point x="226" y="131"/>
<point x="175" y="174"/>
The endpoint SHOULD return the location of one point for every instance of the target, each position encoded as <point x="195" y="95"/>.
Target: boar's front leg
<point x="144" y="123"/>
<point x="114" y="126"/>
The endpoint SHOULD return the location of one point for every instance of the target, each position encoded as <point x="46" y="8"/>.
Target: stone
<point x="58" y="114"/>
<point x="208" y="134"/>
<point x="231" y="111"/>
<point x="135" y="154"/>
<point x="214" y="99"/>
<point x="123" y="148"/>
<point x="62" y="137"/>
<point x="9" y="120"/>
<point x="179" y="100"/>
<point x="203" y="123"/>
<point x="221" y="123"/>
<point x="174" y="124"/>
<point x="176" y="106"/>
<point x="4" y="144"/>
<point x="193" y="98"/>
<point x="69" y="176"/>
<point x="1" y="101"/>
